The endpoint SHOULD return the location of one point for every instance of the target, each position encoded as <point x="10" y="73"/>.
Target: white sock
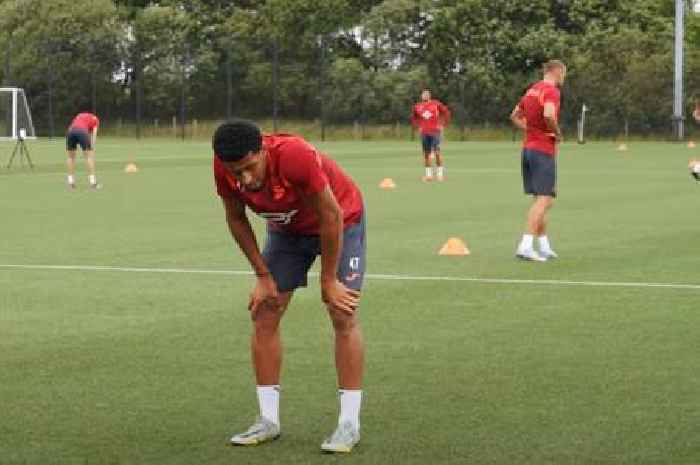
<point x="350" y="401"/>
<point x="429" y="171"/>
<point x="526" y="242"/>
<point x="544" y="243"/>
<point x="93" y="179"/>
<point x="440" y="171"/>
<point x="269" y="402"/>
<point x="71" y="179"/>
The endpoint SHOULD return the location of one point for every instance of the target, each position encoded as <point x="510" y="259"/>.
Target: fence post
<point x="322" y="86"/>
<point x="275" y="83"/>
<point x="229" y="84"/>
<point x="174" y="126"/>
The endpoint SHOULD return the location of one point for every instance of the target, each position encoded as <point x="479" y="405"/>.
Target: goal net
<point x="15" y="117"/>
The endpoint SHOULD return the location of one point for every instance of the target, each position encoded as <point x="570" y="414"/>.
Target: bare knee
<point x="545" y="202"/>
<point x="266" y="321"/>
<point x="343" y="323"/>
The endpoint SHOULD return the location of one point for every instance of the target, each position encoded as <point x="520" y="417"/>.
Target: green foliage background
<point x="349" y="61"/>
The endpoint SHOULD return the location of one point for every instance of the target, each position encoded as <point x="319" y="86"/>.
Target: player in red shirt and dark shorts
<point x="537" y="114"/>
<point x="431" y="116"/>
<point x="82" y="131"/>
<point x="312" y="208"/>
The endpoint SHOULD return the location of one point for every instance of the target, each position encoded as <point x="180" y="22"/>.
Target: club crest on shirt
<point x="277" y="192"/>
<point x="427" y="114"/>
<point x="279" y="217"/>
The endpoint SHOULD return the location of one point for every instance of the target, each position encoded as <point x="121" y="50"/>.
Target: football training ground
<point x="124" y="329"/>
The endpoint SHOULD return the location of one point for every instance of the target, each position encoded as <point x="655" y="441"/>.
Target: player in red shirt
<point x="82" y="131"/>
<point x="312" y="208"/>
<point x="431" y="116"/>
<point x="537" y="114"/>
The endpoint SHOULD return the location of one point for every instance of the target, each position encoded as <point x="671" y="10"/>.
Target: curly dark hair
<point x="235" y="139"/>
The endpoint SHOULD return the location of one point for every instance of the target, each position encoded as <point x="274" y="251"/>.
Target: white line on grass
<point x="385" y="277"/>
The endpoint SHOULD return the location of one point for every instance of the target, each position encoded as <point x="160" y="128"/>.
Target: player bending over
<point x="312" y="208"/>
<point x="82" y="131"/>
<point x="537" y="114"/>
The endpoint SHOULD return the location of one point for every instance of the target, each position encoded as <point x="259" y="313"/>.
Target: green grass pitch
<point x="128" y="367"/>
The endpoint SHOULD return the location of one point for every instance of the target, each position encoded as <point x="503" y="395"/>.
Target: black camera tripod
<point x="23" y="151"/>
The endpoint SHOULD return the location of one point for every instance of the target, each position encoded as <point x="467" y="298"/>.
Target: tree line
<point x="342" y="61"/>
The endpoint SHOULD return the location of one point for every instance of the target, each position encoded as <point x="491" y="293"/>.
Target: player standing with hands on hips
<point x="312" y="208"/>
<point x="537" y="114"/>
<point x="431" y="116"/>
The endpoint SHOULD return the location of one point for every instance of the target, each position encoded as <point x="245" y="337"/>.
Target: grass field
<point x="125" y="366"/>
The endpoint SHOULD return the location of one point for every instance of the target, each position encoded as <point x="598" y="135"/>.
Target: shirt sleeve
<point x="95" y="122"/>
<point x="445" y="113"/>
<point x="302" y="166"/>
<point x="414" y="116"/>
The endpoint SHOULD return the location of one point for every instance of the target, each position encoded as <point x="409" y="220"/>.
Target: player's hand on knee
<point x="264" y="295"/>
<point x="339" y="297"/>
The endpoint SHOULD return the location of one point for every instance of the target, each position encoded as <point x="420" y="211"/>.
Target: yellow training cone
<point x="454" y="246"/>
<point x="691" y="144"/>
<point x="622" y="147"/>
<point x="131" y="168"/>
<point x="387" y="183"/>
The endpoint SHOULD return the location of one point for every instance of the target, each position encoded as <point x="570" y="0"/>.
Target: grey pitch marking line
<point x="386" y="277"/>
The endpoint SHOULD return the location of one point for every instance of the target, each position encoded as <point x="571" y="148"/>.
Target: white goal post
<point x="15" y="117"/>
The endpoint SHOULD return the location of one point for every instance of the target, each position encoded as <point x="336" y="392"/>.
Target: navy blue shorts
<point x="431" y="142"/>
<point x="289" y="257"/>
<point x="539" y="173"/>
<point x="75" y="137"/>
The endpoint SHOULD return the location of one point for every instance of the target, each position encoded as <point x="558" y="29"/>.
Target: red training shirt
<point x="295" y="169"/>
<point x="538" y="136"/>
<point x="86" y="121"/>
<point x="430" y="116"/>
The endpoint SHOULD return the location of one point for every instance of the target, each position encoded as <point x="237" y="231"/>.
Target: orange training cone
<point x="131" y="168"/>
<point x="387" y="184"/>
<point x="691" y="144"/>
<point x="454" y="246"/>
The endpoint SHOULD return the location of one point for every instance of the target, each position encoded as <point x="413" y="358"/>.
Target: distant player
<point x="537" y="114"/>
<point x="82" y="131"/>
<point x="694" y="165"/>
<point x="312" y="208"/>
<point x="431" y="116"/>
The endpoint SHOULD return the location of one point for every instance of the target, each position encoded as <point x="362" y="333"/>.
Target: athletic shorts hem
<point x="539" y="172"/>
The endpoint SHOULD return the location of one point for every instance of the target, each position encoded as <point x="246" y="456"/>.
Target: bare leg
<point x="349" y="349"/>
<point x="70" y="163"/>
<point x="90" y="165"/>
<point x="266" y="343"/>
<point x="438" y="162"/>
<point x="428" y="163"/>
<point x="90" y="161"/>
<point x="537" y="216"/>
<point x="438" y="157"/>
